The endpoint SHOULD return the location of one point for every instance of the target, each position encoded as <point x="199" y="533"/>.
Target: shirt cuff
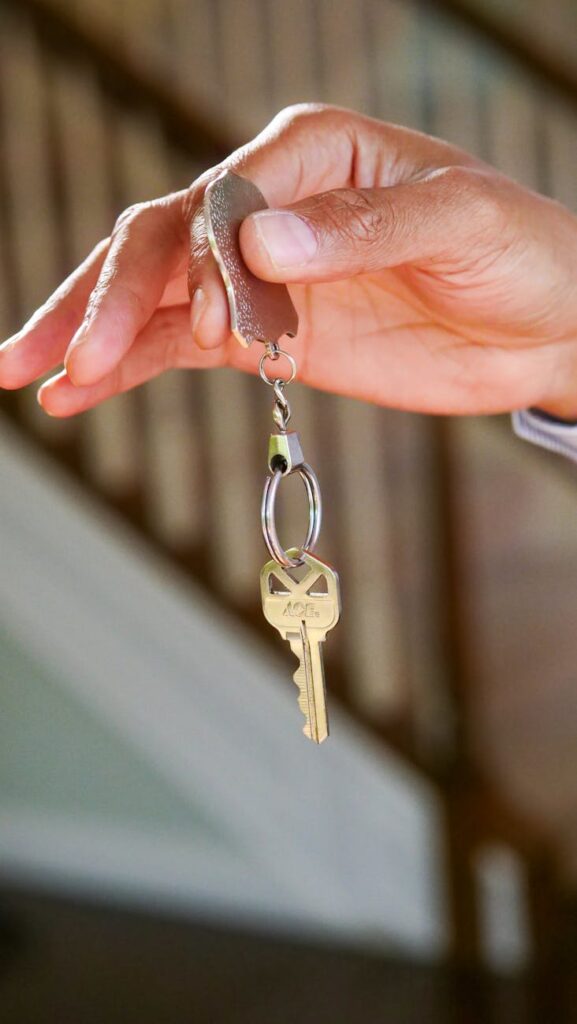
<point x="541" y="428"/>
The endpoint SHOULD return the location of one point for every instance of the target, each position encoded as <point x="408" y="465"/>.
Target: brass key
<point x="304" y="611"/>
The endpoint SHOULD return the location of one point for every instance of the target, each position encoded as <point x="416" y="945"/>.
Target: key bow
<point x="299" y="601"/>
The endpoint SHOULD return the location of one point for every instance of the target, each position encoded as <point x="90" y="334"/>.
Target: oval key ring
<point x="269" y="531"/>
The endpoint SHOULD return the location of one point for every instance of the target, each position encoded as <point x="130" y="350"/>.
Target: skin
<point x="438" y="285"/>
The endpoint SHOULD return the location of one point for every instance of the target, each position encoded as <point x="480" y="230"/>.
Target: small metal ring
<point x="268" y="515"/>
<point x="271" y="381"/>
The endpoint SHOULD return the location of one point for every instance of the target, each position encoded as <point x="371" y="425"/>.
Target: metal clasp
<point x="285" y="452"/>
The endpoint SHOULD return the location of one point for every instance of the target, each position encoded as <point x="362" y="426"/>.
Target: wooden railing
<point x="86" y="128"/>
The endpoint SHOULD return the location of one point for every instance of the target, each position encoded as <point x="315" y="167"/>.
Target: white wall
<point x="192" y="782"/>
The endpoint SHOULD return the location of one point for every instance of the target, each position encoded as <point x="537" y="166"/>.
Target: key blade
<point x="309" y="677"/>
<point x="259" y="310"/>
<point x="304" y="698"/>
<point x="319" y="694"/>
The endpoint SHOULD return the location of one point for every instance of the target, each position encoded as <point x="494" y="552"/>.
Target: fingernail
<point x="76" y="339"/>
<point x="288" y="239"/>
<point x="197" y="308"/>
<point x="75" y="365"/>
<point x="46" y="388"/>
<point x="39" y="398"/>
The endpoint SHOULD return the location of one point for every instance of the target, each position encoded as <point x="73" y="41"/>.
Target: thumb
<point x="348" y="231"/>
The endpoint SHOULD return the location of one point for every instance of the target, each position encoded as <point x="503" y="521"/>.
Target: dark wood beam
<point x="544" y="65"/>
<point x="127" y="80"/>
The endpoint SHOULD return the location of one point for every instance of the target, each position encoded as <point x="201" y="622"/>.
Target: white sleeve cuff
<point x="541" y="429"/>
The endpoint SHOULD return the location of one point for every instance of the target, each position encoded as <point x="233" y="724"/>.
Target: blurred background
<point x="171" y="848"/>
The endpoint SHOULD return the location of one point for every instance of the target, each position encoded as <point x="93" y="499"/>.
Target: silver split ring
<point x="273" y="356"/>
<point x="269" y="531"/>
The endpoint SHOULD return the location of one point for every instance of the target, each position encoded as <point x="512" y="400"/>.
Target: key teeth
<point x="315" y="739"/>
<point x="299" y="677"/>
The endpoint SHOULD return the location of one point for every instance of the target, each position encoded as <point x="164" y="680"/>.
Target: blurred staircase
<point x="150" y="748"/>
<point x="105" y="104"/>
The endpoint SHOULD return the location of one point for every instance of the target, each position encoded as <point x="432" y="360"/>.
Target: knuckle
<point x="493" y="210"/>
<point x="167" y="354"/>
<point x="198" y="243"/>
<point x="128" y="216"/>
<point x="192" y="202"/>
<point x="129" y="297"/>
<point x="354" y="217"/>
<point x="135" y="215"/>
<point x="478" y="192"/>
<point x="173" y="353"/>
<point x="162" y="218"/>
<point x="296" y="113"/>
<point x="132" y="298"/>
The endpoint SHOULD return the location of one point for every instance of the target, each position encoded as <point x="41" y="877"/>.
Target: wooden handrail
<point x="188" y="129"/>
<point x="544" y="66"/>
<point x="126" y="79"/>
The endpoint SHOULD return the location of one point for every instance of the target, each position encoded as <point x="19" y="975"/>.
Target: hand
<point x="423" y="279"/>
